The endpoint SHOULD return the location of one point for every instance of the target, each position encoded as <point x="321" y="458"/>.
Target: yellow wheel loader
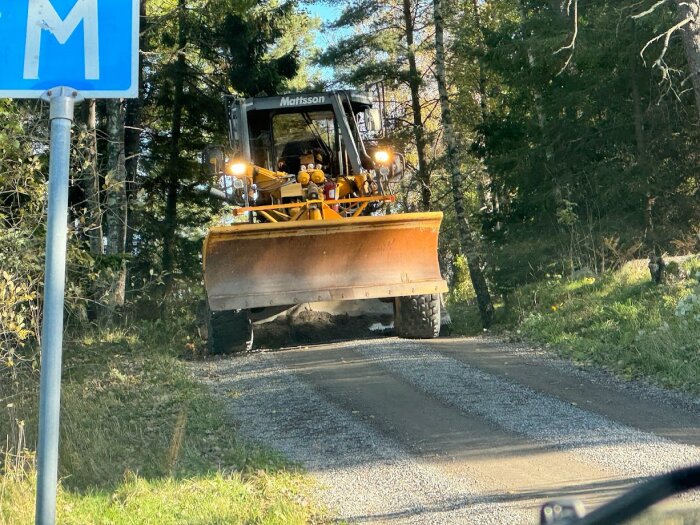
<point x="311" y="190"/>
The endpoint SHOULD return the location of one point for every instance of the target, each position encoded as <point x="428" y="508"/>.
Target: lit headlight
<point x="239" y="169"/>
<point x="381" y="156"/>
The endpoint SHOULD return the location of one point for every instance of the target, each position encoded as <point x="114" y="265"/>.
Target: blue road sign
<point x="90" y="45"/>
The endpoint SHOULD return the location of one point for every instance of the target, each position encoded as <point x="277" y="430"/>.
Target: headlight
<point x="381" y="156"/>
<point x="239" y="168"/>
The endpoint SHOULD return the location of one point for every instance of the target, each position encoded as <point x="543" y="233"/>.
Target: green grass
<point x="206" y="499"/>
<point x="620" y="321"/>
<point x="142" y="443"/>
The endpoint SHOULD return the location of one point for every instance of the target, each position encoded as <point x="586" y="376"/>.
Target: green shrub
<point x="619" y="320"/>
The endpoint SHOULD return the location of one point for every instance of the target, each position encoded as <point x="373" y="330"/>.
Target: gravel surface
<point x="365" y="476"/>
<point x="641" y="389"/>
<point x="532" y="414"/>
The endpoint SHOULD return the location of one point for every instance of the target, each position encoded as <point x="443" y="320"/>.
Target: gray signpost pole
<point x="62" y="101"/>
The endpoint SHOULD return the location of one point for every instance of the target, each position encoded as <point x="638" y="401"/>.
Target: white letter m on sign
<point x="43" y="16"/>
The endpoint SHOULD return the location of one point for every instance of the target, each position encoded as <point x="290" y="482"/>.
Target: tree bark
<point x="691" y="42"/>
<point x="541" y="116"/>
<point x="132" y="136"/>
<point x="483" y="96"/>
<point x="414" y="83"/>
<point x="466" y="238"/>
<point x="90" y="181"/>
<point x="115" y="199"/>
<point x="174" y="163"/>
<point x="643" y="161"/>
<point x="487" y="193"/>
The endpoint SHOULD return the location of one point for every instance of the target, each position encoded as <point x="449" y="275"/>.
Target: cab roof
<point x="319" y="100"/>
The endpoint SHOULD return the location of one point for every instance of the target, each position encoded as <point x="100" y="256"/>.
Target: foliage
<point x="22" y="187"/>
<point x="596" y="161"/>
<point x="461" y="289"/>
<point x="577" y="160"/>
<point x="374" y="50"/>
<point x="619" y="320"/>
<point x="17" y="320"/>
<point x="142" y="443"/>
<point x="230" y="48"/>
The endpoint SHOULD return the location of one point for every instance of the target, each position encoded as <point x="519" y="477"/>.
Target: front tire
<point x="417" y="316"/>
<point x="229" y="331"/>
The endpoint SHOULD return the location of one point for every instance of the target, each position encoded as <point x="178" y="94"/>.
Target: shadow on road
<point x="312" y="328"/>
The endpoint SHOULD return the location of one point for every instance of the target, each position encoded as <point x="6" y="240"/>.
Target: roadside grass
<point x="142" y="443"/>
<point x="465" y="319"/>
<point x="620" y="321"/>
<point x="461" y="302"/>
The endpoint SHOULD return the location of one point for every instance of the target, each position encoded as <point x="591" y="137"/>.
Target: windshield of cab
<point x="302" y="134"/>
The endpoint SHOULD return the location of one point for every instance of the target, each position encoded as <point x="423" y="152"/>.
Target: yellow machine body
<point x="315" y="232"/>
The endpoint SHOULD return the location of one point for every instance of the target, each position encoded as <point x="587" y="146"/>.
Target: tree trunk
<point x="541" y="116"/>
<point x="643" y="163"/>
<point x="414" y="82"/>
<point x="466" y="239"/>
<point x="483" y="97"/>
<point x="174" y="164"/>
<point x="691" y="42"/>
<point x="132" y="137"/>
<point x="487" y="193"/>
<point x="115" y="199"/>
<point x="90" y="181"/>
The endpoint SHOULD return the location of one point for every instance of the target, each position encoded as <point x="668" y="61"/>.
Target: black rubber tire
<point x="417" y="316"/>
<point x="229" y="332"/>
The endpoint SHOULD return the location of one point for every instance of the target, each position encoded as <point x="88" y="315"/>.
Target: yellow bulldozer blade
<point x="287" y="263"/>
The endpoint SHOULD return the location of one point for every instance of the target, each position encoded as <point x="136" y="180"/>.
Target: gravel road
<point x="455" y="430"/>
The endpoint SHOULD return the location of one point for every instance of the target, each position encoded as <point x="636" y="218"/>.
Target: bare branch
<point x="572" y="45"/>
<point x="667" y="37"/>
<point x="650" y="10"/>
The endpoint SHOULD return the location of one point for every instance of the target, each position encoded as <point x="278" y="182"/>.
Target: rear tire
<point x="417" y="316"/>
<point x="229" y="331"/>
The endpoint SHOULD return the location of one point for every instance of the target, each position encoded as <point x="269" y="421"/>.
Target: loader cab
<point x="337" y="130"/>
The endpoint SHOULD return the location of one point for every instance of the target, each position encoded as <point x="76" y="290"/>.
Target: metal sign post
<point x="93" y="46"/>
<point x="62" y="100"/>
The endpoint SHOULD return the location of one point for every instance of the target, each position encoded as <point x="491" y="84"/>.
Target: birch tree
<point x="174" y="162"/>
<point x="115" y="201"/>
<point x="467" y="243"/>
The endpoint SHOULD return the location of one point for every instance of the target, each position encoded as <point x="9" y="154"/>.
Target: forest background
<point x="560" y="139"/>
